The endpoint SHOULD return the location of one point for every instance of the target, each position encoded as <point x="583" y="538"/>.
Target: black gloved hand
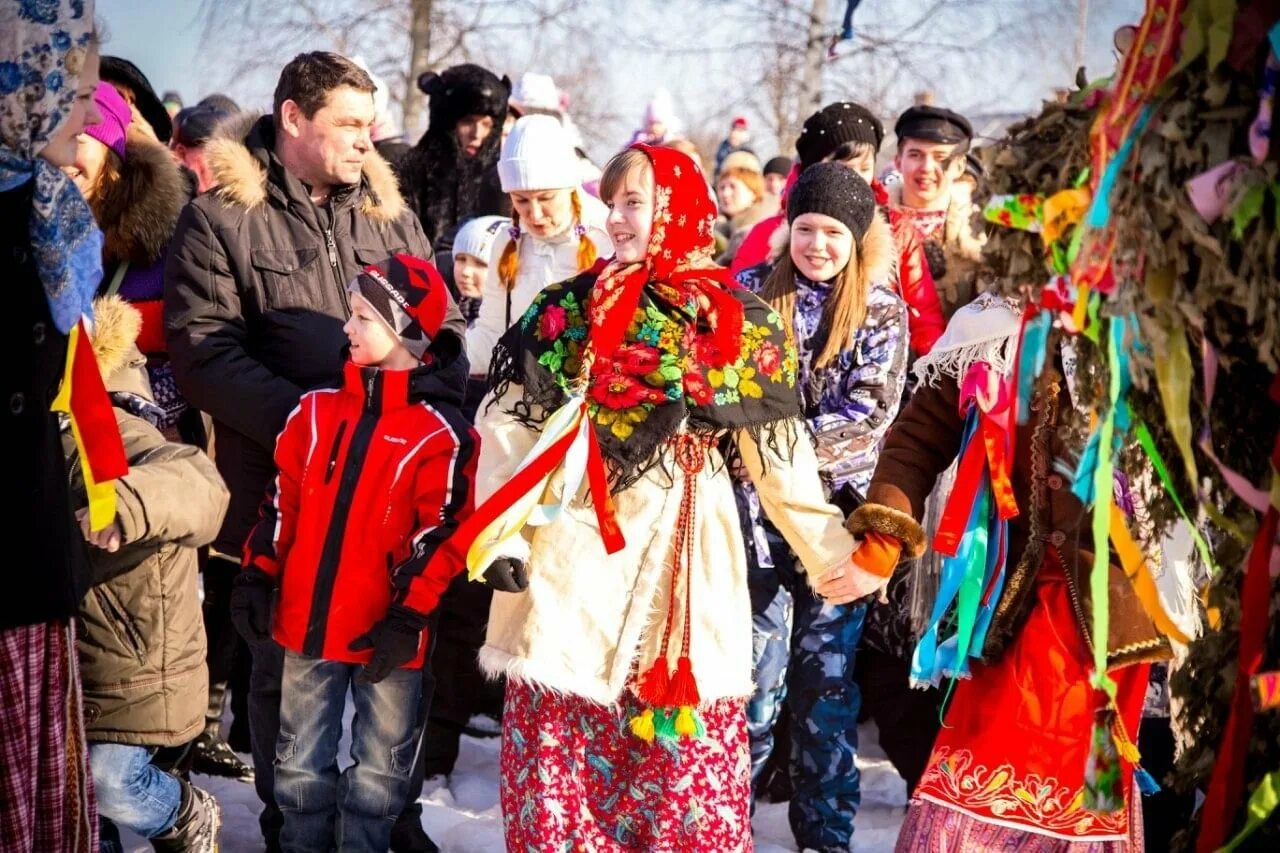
<point x="394" y="641"/>
<point x="250" y="605"/>
<point x="507" y="574"/>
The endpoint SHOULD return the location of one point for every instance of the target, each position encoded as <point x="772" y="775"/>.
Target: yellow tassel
<point x="685" y="725"/>
<point x="642" y="726"/>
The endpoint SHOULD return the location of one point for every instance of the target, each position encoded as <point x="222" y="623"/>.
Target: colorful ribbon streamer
<point x="973" y="533"/>
<point x="1226" y="785"/>
<point x="568" y="443"/>
<point x="1266" y="691"/>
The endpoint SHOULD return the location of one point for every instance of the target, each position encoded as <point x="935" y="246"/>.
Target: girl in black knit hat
<point x="831" y="285"/>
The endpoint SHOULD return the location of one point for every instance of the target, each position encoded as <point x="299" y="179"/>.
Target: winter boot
<point x="408" y="836"/>
<point x="214" y="757"/>
<point x="196" y="829"/>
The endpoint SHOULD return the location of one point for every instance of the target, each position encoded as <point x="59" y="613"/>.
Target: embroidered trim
<point x="1036" y="803"/>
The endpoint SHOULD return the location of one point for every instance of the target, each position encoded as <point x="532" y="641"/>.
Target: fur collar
<point x="241" y="180"/>
<point x="139" y="210"/>
<point x="957" y="233"/>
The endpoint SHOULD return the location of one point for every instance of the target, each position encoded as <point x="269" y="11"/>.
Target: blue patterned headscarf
<point x="43" y="44"/>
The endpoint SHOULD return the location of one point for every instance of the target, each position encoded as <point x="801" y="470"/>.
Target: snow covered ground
<point x="463" y="816"/>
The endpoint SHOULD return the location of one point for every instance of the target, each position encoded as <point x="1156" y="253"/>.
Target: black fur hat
<point x="117" y="70"/>
<point x="464" y="90"/>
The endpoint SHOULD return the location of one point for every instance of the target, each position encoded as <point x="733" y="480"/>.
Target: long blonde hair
<point x="870" y="258"/>
<point x="509" y="263"/>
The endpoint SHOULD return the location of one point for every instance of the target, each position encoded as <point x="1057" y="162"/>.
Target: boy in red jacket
<point x="373" y="477"/>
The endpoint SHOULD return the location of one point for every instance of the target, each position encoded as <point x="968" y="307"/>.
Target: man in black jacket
<point x="255" y="297"/>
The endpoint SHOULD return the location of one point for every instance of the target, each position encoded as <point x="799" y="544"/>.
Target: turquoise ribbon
<point x="977" y="569"/>
<point x="1035" y="336"/>
<point x="1100" y="209"/>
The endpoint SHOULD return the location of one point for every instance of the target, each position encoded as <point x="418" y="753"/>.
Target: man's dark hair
<point x="309" y="78"/>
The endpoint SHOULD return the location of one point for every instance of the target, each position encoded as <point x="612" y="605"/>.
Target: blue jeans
<point x="353" y="810"/>
<point x="131" y="791"/>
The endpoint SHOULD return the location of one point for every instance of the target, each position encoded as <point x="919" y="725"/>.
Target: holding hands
<point x="870" y="567"/>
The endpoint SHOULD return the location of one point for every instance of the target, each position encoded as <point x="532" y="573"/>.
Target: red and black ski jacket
<point x="372" y="478"/>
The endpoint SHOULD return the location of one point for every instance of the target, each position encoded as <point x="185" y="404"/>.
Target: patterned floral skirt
<point x="574" y="778"/>
<point x="1007" y="769"/>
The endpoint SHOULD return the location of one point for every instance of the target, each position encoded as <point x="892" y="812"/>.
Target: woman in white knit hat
<point x="557" y="230"/>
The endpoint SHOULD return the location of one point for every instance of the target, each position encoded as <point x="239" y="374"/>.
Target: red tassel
<point x="655" y="684"/>
<point x="684" y="687"/>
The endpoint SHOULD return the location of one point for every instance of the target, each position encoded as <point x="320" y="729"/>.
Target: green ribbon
<point x="1149" y="447"/>
<point x="1103" y="487"/>
<point x="1263" y="802"/>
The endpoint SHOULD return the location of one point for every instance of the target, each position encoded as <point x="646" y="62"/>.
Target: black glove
<point x="394" y="641"/>
<point x="250" y="605"/>
<point x="507" y="574"/>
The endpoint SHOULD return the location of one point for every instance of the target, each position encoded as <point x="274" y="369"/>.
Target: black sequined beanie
<point x="837" y="191"/>
<point x="832" y="126"/>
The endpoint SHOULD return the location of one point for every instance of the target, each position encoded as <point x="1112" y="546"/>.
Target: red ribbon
<point x="530" y="476"/>
<point x="1226" y="786"/>
<point x="95" y="418"/>
<point x="983" y="388"/>
<point x="598" y="483"/>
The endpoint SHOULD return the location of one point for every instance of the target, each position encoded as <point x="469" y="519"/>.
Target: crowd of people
<point x="635" y="465"/>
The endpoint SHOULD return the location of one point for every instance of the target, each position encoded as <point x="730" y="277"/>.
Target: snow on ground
<point x="463" y="816"/>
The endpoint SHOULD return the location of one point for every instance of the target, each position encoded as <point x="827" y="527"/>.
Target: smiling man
<point x="256" y="297"/>
<point x="932" y="143"/>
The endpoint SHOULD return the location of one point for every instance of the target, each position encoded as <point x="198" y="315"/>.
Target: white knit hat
<point x="535" y="92"/>
<point x="538" y="155"/>
<point x="476" y="236"/>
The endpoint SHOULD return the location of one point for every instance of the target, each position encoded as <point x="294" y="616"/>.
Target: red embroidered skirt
<point x="1008" y="766"/>
<point x="575" y="778"/>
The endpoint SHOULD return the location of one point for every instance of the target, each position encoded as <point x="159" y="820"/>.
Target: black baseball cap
<point x="933" y="124"/>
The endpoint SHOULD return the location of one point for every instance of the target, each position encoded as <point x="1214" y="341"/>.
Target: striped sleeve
<point x="267" y="546"/>
<point x="444" y="496"/>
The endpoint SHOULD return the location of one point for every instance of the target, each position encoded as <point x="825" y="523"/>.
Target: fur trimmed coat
<point x="141" y="641"/>
<point x="961" y="241"/>
<point x="255" y="298"/>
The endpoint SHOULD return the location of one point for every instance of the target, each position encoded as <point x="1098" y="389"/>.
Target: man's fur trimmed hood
<point x="240" y="178"/>
<point x="139" y="211"/>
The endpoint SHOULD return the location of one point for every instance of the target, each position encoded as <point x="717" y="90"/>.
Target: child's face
<point x="820" y="246"/>
<point x="373" y="344"/>
<point x="468" y="273"/>
<point x="630" y="219"/>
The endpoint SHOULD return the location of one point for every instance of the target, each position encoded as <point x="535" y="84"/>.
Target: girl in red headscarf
<point x="623" y="623"/>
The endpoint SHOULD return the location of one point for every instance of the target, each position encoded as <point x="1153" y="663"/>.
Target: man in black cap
<point x="932" y="144"/>
<point x="135" y="88"/>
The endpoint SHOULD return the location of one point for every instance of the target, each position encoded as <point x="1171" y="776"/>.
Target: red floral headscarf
<point x="679" y="256"/>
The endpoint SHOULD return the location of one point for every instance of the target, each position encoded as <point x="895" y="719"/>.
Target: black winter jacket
<point x="45" y="550"/>
<point x="255" y="299"/>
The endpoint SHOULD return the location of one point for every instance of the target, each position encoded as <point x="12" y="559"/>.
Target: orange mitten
<point x="878" y="554"/>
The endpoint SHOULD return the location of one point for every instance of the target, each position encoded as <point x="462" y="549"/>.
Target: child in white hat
<point x="557" y="230"/>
